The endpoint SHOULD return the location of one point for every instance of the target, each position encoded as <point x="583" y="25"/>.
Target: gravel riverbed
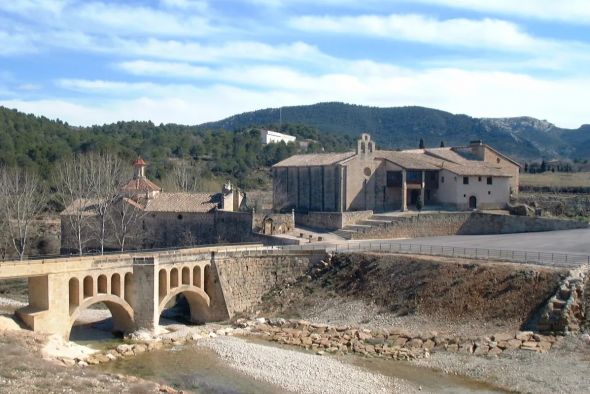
<point x="300" y="372"/>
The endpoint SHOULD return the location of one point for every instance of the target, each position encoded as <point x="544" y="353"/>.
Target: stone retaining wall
<point x="244" y="280"/>
<point x="565" y="311"/>
<point x="463" y="223"/>
<point x="330" y="220"/>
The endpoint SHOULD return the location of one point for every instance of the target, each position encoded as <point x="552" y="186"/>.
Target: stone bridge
<point x="136" y="287"/>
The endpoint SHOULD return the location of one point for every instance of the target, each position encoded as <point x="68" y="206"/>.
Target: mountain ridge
<point x="524" y="137"/>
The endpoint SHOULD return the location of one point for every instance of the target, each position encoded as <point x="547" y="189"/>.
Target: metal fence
<point x="517" y="256"/>
<point x="565" y="260"/>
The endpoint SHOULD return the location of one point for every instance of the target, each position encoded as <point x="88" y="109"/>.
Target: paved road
<point x="567" y="241"/>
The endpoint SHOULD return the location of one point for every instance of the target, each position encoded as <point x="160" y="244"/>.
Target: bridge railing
<point x="566" y="260"/>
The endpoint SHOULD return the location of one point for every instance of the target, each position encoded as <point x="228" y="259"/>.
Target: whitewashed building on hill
<point x="271" y="137"/>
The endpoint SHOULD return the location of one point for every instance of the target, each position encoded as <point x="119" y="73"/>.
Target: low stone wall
<point x="272" y="223"/>
<point x="394" y="343"/>
<point x="245" y="279"/>
<point x="330" y="220"/>
<point x="485" y="223"/>
<point x="463" y="223"/>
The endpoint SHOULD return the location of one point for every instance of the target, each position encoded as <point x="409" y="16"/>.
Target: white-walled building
<point x="271" y="137"/>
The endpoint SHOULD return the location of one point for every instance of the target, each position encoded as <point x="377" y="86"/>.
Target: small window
<point x="466" y="180"/>
<point x="489" y="180"/>
<point x="442" y="179"/>
<point x="465" y="195"/>
<point x="479" y="179"/>
<point x="489" y="193"/>
<point x="498" y="160"/>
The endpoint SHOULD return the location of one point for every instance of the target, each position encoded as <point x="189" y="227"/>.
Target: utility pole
<point x="280" y="119"/>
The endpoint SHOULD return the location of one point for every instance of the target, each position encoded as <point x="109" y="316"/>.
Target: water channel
<point x="196" y="369"/>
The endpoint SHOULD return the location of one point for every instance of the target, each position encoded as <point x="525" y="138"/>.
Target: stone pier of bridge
<point x="137" y="287"/>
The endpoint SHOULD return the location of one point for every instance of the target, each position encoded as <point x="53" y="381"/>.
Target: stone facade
<point x="469" y="177"/>
<point x="244" y="280"/>
<point x="330" y="220"/>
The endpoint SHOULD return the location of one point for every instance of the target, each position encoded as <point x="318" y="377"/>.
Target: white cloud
<point x="197" y="5"/>
<point x="457" y="32"/>
<point x="111" y="18"/>
<point x="577" y="11"/>
<point x="197" y="52"/>
<point x="124" y="19"/>
<point x="16" y="44"/>
<point x="477" y="93"/>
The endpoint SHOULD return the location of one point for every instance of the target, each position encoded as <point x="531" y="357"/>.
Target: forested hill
<point x="402" y="127"/>
<point x="231" y="148"/>
<point x="40" y="143"/>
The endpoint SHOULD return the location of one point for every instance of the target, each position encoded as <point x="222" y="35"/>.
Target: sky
<point x="192" y="61"/>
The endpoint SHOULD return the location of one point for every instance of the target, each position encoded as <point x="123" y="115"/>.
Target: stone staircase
<point x="375" y="221"/>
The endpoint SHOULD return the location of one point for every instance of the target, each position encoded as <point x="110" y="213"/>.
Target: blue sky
<point x="191" y="61"/>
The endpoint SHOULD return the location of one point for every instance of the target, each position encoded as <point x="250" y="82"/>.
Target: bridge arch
<point x="198" y="302"/>
<point x="121" y="312"/>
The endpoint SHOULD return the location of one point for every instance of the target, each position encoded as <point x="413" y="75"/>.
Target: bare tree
<point x="105" y="173"/>
<point x="125" y="218"/>
<point x="74" y="189"/>
<point x="22" y="198"/>
<point x="186" y="176"/>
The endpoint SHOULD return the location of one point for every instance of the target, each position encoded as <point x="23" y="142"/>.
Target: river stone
<point x="502" y="337"/>
<point x="544" y="346"/>
<point x="102" y="358"/>
<point x="428" y="344"/>
<point x="513" y="344"/>
<point x="68" y="362"/>
<point x="375" y="341"/>
<point x="481" y="349"/>
<point x="123" y="348"/>
<point x="524" y="335"/>
<point x="414" y="343"/>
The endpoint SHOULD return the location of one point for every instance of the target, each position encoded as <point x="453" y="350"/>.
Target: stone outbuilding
<point x="468" y="177"/>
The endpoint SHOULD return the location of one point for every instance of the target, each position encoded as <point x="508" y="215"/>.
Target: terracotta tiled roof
<point x="448" y="154"/>
<point x="314" y="159"/>
<point x="139" y="162"/>
<point x="182" y="202"/>
<point x="141" y="184"/>
<point x="476" y="168"/>
<point x="407" y="160"/>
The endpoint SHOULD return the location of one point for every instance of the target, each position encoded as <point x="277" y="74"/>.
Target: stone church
<point x="462" y="178"/>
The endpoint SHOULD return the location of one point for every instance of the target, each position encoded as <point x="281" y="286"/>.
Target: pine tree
<point x="442" y="144"/>
<point x="421" y="145"/>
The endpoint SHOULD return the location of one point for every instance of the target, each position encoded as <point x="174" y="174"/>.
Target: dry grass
<point x="556" y="179"/>
<point x="438" y="288"/>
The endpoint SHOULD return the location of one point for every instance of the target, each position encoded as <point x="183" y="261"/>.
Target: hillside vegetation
<point x="230" y="148"/>
<point x="39" y="143"/>
<point x="402" y="127"/>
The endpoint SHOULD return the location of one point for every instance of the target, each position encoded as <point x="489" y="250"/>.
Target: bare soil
<point x="443" y="292"/>
<point x="22" y="370"/>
